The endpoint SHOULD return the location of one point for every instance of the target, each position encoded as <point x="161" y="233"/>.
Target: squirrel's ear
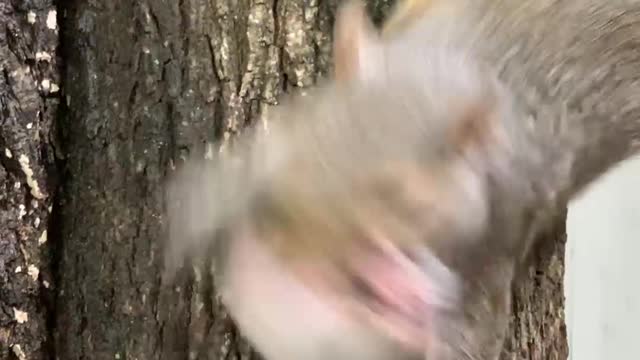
<point x="355" y="43"/>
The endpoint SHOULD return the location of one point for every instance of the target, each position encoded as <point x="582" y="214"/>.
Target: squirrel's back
<point x="573" y="66"/>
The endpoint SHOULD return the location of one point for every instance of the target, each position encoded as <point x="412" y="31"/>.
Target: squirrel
<point x="386" y="214"/>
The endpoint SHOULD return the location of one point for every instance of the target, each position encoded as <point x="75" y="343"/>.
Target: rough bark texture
<point x="29" y="90"/>
<point x="537" y="328"/>
<point x="145" y="82"/>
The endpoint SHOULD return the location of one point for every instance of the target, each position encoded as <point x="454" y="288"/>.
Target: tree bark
<point x="145" y="83"/>
<point x="29" y="88"/>
<point x="537" y="329"/>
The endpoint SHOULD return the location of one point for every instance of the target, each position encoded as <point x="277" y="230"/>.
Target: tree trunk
<point x="537" y="329"/>
<point x="29" y="90"/>
<point x="145" y="82"/>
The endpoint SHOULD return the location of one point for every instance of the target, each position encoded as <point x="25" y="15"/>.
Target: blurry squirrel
<point x="386" y="213"/>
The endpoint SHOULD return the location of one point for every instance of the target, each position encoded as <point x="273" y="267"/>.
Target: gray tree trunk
<point x="145" y="81"/>
<point x="29" y="92"/>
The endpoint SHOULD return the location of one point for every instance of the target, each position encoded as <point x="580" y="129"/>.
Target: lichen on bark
<point x="29" y="91"/>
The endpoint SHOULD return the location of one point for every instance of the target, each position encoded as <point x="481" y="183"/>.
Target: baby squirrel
<point x="386" y="213"/>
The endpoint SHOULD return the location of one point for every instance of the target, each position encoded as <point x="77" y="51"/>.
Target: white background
<point x="602" y="283"/>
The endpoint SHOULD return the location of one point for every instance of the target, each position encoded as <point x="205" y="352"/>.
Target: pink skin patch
<point x="392" y="286"/>
<point x="396" y="299"/>
<point x="291" y="317"/>
<point x="400" y="295"/>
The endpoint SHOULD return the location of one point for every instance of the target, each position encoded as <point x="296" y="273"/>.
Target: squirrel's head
<point x="343" y="223"/>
